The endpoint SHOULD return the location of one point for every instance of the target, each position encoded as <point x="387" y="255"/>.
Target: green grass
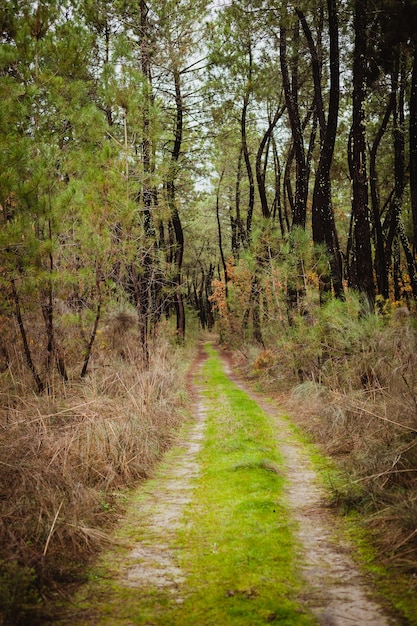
<point x="236" y="547"/>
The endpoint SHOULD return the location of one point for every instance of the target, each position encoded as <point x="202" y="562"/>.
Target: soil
<point x="337" y="592"/>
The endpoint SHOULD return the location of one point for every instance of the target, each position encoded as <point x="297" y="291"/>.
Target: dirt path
<point x="153" y="561"/>
<point x="335" y="591"/>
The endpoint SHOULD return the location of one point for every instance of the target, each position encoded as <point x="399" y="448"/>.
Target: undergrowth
<point x="66" y="458"/>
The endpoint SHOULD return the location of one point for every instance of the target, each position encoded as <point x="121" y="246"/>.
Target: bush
<point x="18" y="593"/>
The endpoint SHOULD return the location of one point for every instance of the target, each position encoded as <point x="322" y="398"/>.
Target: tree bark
<point x="94" y="329"/>
<point x="381" y="265"/>
<point x="290" y="92"/>
<point x="219" y="231"/>
<point x="47" y="306"/>
<point x="284" y="222"/>
<point x="398" y="89"/>
<point x="413" y="149"/>
<point x="323" y="223"/>
<point x="147" y="99"/>
<point x="237" y="226"/>
<point x="245" y="150"/>
<point x="26" y="349"/>
<point x="362" y="278"/>
<point x="175" y="217"/>
<point x="260" y="172"/>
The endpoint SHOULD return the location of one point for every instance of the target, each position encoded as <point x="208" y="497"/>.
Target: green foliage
<point x="325" y="341"/>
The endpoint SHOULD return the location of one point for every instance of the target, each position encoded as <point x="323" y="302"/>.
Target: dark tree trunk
<point x="413" y="149"/>
<point x="381" y="264"/>
<point x="399" y="170"/>
<point x="175" y="217"/>
<point x="237" y="225"/>
<point x="397" y="269"/>
<point x="94" y="329"/>
<point x="145" y="295"/>
<point x="284" y="222"/>
<point x="290" y="92"/>
<point x="253" y="309"/>
<point x="52" y="351"/>
<point x="256" y="312"/>
<point x="26" y="349"/>
<point x="393" y="223"/>
<point x="323" y="223"/>
<point x="261" y="171"/>
<point x="208" y="291"/>
<point x="146" y="104"/>
<point x="362" y="278"/>
<point x="245" y="149"/>
<point x="219" y="231"/>
<point x="288" y="191"/>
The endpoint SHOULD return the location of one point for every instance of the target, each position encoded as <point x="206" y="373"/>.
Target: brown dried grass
<point x="67" y="457"/>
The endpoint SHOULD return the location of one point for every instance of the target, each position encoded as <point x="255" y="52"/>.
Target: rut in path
<point x="335" y="591"/>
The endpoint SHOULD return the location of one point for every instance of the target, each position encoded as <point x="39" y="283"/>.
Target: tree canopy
<point x="180" y="156"/>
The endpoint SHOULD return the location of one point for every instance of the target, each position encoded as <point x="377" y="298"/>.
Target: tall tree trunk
<point x="93" y="334"/>
<point x="381" y="264"/>
<point x="362" y="278"/>
<point x="146" y="301"/>
<point x="260" y="172"/>
<point x="413" y="149"/>
<point x="172" y="201"/>
<point x="256" y="311"/>
<point x="323" y="223"/>
<point x="284" y="222"/>
<point x="237" y="224"/>
<point x="399" y="168"/>
<point x="290" y="92"/>
<point x="219" y="231"/>
<point x="146" y="104"/>
<point x="288" y="191"/>
<point x="245" y="150"/>
<point x="47" y="304"/>
<point x="26" y="349"/>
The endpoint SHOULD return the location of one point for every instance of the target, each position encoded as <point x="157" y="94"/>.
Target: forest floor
<point x="170" y="566"/>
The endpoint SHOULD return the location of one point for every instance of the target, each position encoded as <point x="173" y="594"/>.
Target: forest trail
<point x="146" y="583"/>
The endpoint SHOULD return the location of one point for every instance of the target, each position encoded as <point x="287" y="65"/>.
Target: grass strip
<point x="238" y="547"/>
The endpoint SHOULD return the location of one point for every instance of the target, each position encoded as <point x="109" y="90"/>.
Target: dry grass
<point x="67" y="457"/>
